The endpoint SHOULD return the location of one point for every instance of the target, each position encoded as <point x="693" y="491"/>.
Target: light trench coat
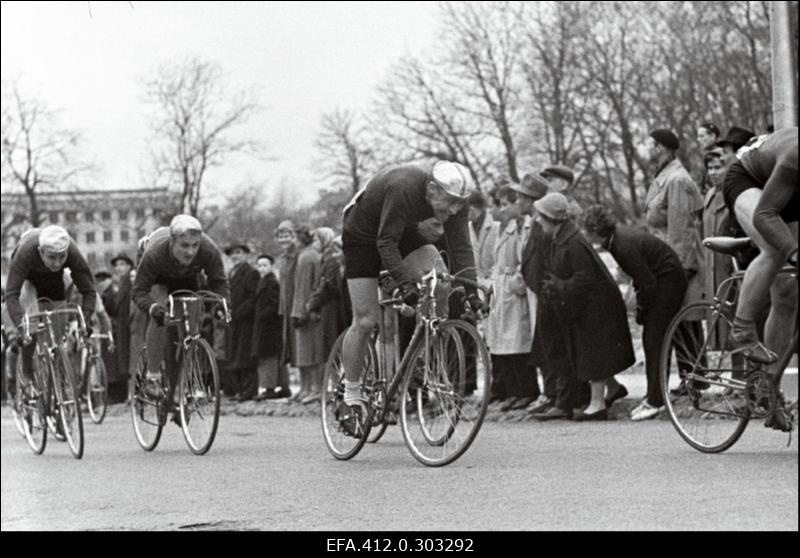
<point x="512" y="317"/>
<point x="673" y="212"/>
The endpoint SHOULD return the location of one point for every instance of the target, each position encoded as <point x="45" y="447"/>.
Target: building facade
<point x="103" y="223"/>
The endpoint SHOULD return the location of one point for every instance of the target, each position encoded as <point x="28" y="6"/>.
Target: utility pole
<point x="784" y="66"/>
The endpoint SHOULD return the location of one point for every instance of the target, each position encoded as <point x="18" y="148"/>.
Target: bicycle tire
<point x="16" y="399"/>
<point x="340" y="444"/>
<point x="148" y="422"/>
<point x="34" y="412"/>
<point x="442" y="409"/>
<point x="69" y="403"/>
<point x="198" y="399"/>
<point x="97" y="394"/>
<point x="709" y="416"/>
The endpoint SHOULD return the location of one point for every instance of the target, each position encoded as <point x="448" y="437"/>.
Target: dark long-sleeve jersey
<point x="158" y="266"/>
<point x="26" y="263"/>
<point x="390" y="207"/>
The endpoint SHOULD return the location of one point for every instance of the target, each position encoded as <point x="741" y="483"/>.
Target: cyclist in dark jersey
<point x="37" y="270"/>
<point x="381" y="227"/>
<point x="761" y="188"/>
<point x="173" y="258"/>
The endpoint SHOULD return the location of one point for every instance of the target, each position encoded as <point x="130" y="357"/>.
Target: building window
<point x="107" y="236"/>
<point x="54" y="216"/>
<point x="123" y="235"/>
<point x="105" y="215"/>
<point x="91" y="258"/>
<point x="90" y="237"/>
<point x="123" y="215"/>
<point x="88" y="216"/>
<point x="70" y="216"/>
<point x="108" y="255"/>
<point x="140" y="213"/>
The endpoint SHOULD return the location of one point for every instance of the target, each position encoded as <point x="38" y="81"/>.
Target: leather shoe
<point x="508" y="403"/>
<point x="602" y="414"/>
<point x="621" y="392"/>
<point x="522" y="403"/>
<point x="282" y="393"/>
<point x="553" y="413"/>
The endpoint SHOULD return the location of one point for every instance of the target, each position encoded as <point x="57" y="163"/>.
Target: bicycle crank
<point x="762" y="394"/>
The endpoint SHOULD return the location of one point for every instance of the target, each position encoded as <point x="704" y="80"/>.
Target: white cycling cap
<point x="182" y="224"/>
<point x="454" y="178"/>
<point x="54" y="239"/>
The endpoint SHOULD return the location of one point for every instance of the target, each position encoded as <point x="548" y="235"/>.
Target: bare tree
<point x="344" y="152"/>
<point x="194" y="119"/>
<point x="38" y="154"/>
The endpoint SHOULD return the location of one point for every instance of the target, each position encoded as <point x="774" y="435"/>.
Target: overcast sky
<point x="305" y="58"/>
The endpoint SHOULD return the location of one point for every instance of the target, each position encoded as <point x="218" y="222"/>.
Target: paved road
<point x="274" y="473"/>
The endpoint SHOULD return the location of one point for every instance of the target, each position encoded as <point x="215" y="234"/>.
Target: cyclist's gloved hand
<point x="388" y="284"/>
<point x="476" y="304"/>
<point x="158" y="313"/>
<point x="298" y="322"/>
<point x="219" y="312"/>
<point x="409" y="293"/>
<point x="793" y="258"/>
<point x="89" y="330"/>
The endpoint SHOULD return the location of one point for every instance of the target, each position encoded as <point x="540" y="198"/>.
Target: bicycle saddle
<point x="727" y="244"/>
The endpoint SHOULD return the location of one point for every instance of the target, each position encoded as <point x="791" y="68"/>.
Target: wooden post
<point x="784" y="66"/>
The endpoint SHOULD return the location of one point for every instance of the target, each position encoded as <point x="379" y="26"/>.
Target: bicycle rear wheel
<point x="198" y="397"/>
<point x="33" y="409"/>
<point x="341" y="444"/>
<point x="703" y="379"/>
<point x="147" y="414"/>
<point x="68" y="402"/>
<point x="445" y="393"/>
<point x="96" y="387"/>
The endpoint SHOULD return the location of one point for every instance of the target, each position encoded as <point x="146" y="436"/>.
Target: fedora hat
<point x="237" y="245"/>
<point x="736" y="138"/>
<point x="533" y="186"/>
<point x="124" y="257"/>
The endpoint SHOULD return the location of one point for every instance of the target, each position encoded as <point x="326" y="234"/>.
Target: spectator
<point x="273" y="379"/>
<point x="582" y="312"/>
<point x="121" y="325"/>
<point x="660" y="285"/>
<point x="673" y="209"/>
<point x="483" y="232"/>
<point x="324" y="302"/>
<point x="345" y="308"/>
<point x="241" y="366"/>
<point x="307" y="327"/>
<point x="510" y="324"/>
<point x="716" y="222"/>
<point x="561" y="179"/>
<point x="285" y="268"/>
<point x="707" y="136"/>
<point x="734" y="140"/>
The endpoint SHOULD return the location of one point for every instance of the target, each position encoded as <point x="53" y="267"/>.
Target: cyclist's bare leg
<point x="761" y="279"/>
<point x="364" y="297"/>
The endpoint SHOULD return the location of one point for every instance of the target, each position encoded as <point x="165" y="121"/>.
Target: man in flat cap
<point x="673" y="209"/>
<point x="240" y="364"/>
<point x="560" y="179"/>
<point x="380" y="229"/>
<point x="37" y="271"/>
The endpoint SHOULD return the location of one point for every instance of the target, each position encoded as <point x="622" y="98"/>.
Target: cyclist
<point x="761" y="188"/>
<point x="37" y="270"/>
<point x="173" y="259"/>
<point x="381" y="227"/>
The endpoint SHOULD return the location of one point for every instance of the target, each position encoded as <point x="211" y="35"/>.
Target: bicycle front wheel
<point x="198" y="398"/>
<point x="148" y="415"/>
<point x="68" y="401"/>
<point x="445" y="393"/>
<point x="33" y="409"/>
<point x="17" y="400"/>
<point x="703" y="379"/>
<point x="96" y="388"/>
<point x="344" y="445"/>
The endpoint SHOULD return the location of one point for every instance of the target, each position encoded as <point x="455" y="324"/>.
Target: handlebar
<point x="201" y="296"/>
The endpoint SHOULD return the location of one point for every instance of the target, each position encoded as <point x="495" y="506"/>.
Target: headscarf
<point x="325" y="236"/>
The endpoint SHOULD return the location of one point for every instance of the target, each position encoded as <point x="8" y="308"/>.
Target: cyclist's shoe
<point x="756" y="351"/>
<point x="683" y="388"/>
<point x="176" y="418"/>
<point x="781" y="420"/>
<point x="151" y="387"/>
<point x="353" y="418"/>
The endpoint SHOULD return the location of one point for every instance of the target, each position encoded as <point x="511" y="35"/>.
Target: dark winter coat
<point x="587" y="307"/>
<point x="267" y="337"/>
<point x="243" y="284"/>
<point x="326" y="301"/>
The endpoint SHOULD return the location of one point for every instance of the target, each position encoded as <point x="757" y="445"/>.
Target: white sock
<point x="352" y="392"/>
